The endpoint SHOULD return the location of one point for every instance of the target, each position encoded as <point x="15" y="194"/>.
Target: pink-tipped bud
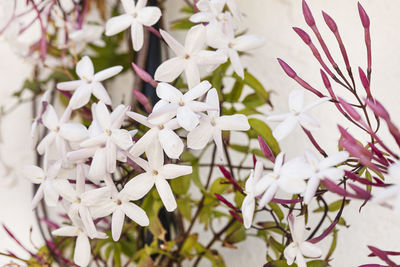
<point x="265" y="149"/>
<point x="365" y="82"/>
<point x="350" y="110"/>
<point x="303" y="35"/>
<point x="378" y="109"/>
<point x="330" y="22"/>
<point x="228" y="176"/>
<point x="146" y="77"/>
<point x="360" y="193"/>
<point x="236" y="216"/>
<point x="364" y="16"/>
<point x="225" y="201"/>
<point x="308" y="15"/>
<point x="327" y="83"/>
<point x="143" y="100"/>
<point x="289" y="71"/>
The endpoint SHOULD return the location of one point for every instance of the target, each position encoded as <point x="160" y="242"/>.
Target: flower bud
<point x="364" y="16"/>
<point x="330" y="22"/>
<point x="308" y="15"/>
<point x="303" y="35"/>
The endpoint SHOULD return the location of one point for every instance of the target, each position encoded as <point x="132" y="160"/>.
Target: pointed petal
<point x="171" y="171"/>
<point x="155" y="156"/>
<point x="290" y="253"/>
<point x="139" y="118"/>
<point x="169" y="70"/>
<point x="139" y="186"/>
<point x="316" y="103"/>
<point x="171" y="143"/>
<point x="149" y="16"/>
<point x="74" y="132"/>
<point x="268" y="195"/>
<point x="285" y="128"/>
<point x="117" y="222"/>
<point x="237" y="122"/>
<point x="94" y="141"/>
<point x="292" y="185"/>
<point x="135" y="213"/>
<point x="34" y="173"/>
<point x="82" y="252"/>
<point x="210" y="58"/>
<point x="334" y="159"/>
<point x="103" y="116"/>
<point x="310" y="250"/>
<point x="50" y="195"/>
<point x="247" y="208"/>
<point x="279" y="117"/>
<point x="312" y="186"/>
<point x="187" y="118"/>
<point x="84" y="68"/>
<point x="166" y="195"/>
<point x="37" y="197"/>
<point x="122" y="138"/>
<point x="81" y="96"/>
<point x="118" y="24"/>
<point x="169" y="93"/>
<point x="87" y="221"/>
<point x="71" y="85"/>
<point x="197" y="91"/>
<point x="163" y="114"/>
<point x="66" y="231"/>
<point x="107" y="73"/>
<point x="297" y="228"/>
<point x="248" y="42"/>
<point x="236" y="62"/>
<point x="195" y="39"/>
<point x="192" y="74"/>
<point x="296" y="100"/>
<point x="307" y="121"/>
<point x="201" y="17"/>
<point x="200" y="136"/>
<point x="140" y="146"/>
<point x="137" y="35"/>
<point x="178" y="49"/>
<point x="98" y="167"/>
<point x="50" y="118"/>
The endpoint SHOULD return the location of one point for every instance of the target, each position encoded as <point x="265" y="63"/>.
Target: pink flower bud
<point x="289" y="71"/>
<point x="363" y="15"/>
<point x="378" y="109"/>
<point x="308" y="15"/>
<point x="330" y="22"/>
<point x="236" y="216"/>
<point x="228" y="176"/>
<point x="143" y="100"/>
<point x="365" y="82"/>
<point x="146" y="77"/>
<point x="303" y="35"/>
<point x="350" y="110"/>
<point x="327" y="84"/>
<point x="265" y="149"/>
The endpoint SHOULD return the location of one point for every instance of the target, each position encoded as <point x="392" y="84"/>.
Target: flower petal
<point x="34" y="173"/>
<point x="149" y="16"/>
<point x="247" y="208"/>
<point x="50" y="195"/>
<point x="187" y="118"/>
<point x="171" y="171"/>
<point x="98" y="167"/>
<point x="84" y="68"/>
<point x="333" y="160"/>
<point x="170" y="69"/>
<point x="118" y="24"/>
<point x="74" y="132"/>
<point x="307" y="121"/>
<point x="192" y="74"/>
<point x="248" y="42"/>
<point x="199" y="137"/>
<point x="137" y="35"/>
<point x="66" y="231"/>
<point x="135" y="213"/>
<point x="236" y="62"/>
<point x="170" y="143"/>
<point x="285" y="128"/>
<point x="166" y="195"/>
<point x="71" y="85"/>
<point x="82" y="252"/>
<point x="169" y="93"/>
<point x="236" y="122"/>
<point x="296" y="100"/>
<point x="81" y="96"/>
<point x="310" y="250"/>
<point x="178" y="49"/>
<point x="268" y="195"/>
<point x="210" y="58"/>
<point x="140" y="146"/>
<point x="195" y="39"/>
<point x="312" y="186"/>
<point x="103" y="116"/>
<point x="107" y="73"/>
<point x="50" y="118"/>
<point x="139" y="186"/>
<point x="290" y="253"/>
<point x="197" y="91"/>
<point x="122" y="138"/>
<point x="117" y="222"/>
<point x="155" y="156"/>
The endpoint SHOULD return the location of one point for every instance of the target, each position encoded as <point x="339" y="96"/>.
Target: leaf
<point x="261" y="128"/>
<point x="280" y="263"/>
<point x="219" y="186"/>
<point x="334" y="206"/>
<point x="117" y="255"/>
<point x="184" y="207"/>
<point x="236" y="233"/>
<point x="182" y="24"/>
<point x="253" y="83"/>
<point x="196" y="177"/>
<point x="181" y="185"/>
<point x="317" y="263"/>
<point x="188" y="246"/>
<point x="277" y="210"/>
<point x="253" y="101"/>
<point x="236" y="92"/>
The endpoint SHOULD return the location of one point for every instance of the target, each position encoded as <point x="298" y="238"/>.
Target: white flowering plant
<point x="184" y="159"/>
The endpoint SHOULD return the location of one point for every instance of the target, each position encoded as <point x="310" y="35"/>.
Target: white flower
<point x="106" y="201"/>
<point x="323" y="169"/>
<point x="210" y="12"/>
<point x="156" y="173"/>
<point x="288" y="177"/>
<point x="82" y="251"/>
<point x="296" y="115"/>
<point x="60" y="131"/>
<point x="183" y="106"/>
<point x="108" y="138"/>
<point x="89" y="83"/>
<point x="48" y="183"/>
<point x="299" y="247"/>
<point x="89" y="34"/>
<point x="136" y="17"/>
<point x="390" y="192"/>
<point x="252" y="191"/>
<point x="211" y="126"/>
<point x="188" y="58"/>
<point x="162" y="133"/>
<point x="229" y="45"/>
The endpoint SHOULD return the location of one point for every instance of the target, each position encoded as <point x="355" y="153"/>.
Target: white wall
<point x="273" y="19"/>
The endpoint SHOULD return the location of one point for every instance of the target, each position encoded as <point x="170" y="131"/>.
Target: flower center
<point x="134" y="15"/>
<point x="155" y="173"/>
<point x="181" y="103"/>
<point x="108" y="131"/>
<point x="161" y="126"/>
<point x="187" y="56"/>
<point x="213" y="121"/>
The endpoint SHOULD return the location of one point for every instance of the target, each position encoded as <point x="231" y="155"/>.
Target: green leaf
<point x="262" y="129"/>
<point x="185" y="207"/>
<point x="317" y="263"/>
<point x="196" y="177"/>
<point x="188" y="246"/>
<point x="253" y="83"/>
<point x="236" y="233"/>
<point x="182" y="24"/>
<point x="239" y="148"/>
<point x="277" y="210"/>
<point x="117" y="255"/>
<point x="280" y="263"/>
<point x="219" y="186"/>
<point x="334" y="206"/>
<point x="181" y="185"/>
<point x="236" y="92"/>
<point x="253" y="101"/>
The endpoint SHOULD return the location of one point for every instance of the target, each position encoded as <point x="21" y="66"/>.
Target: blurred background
<point x="273" y="19"/>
